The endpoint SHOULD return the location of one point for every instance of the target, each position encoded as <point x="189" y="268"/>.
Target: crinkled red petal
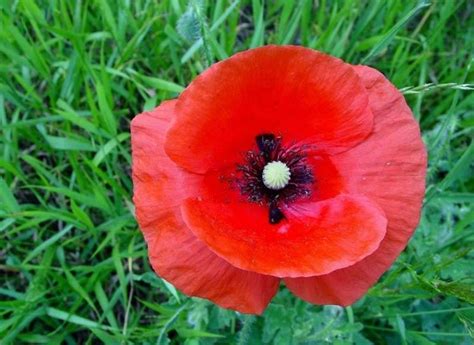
<point x="175" y="253"/>
<point x="298" y="93"/>
<point x="389" y="168"/>
<point x="316" y="238"/>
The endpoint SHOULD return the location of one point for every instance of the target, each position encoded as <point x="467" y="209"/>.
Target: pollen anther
<point x="276" y="175"/>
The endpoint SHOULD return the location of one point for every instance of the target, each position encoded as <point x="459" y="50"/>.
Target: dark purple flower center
<point x="251" y="181"/>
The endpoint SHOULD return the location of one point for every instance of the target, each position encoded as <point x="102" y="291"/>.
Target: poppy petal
<point x="389" y="168"/>
<point x="157" y="182"/>
<point x="179" y="257"/>
<point x="175" y="253"/>
<point x="295" y="92"/>
<point x="328" y="183"/>
<point x="317" y="238"/>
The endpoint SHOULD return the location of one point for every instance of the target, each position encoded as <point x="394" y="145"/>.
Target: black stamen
<point x="275" y="215"/>
<point x="251" y="183"/>
<point x="266" y="144"/>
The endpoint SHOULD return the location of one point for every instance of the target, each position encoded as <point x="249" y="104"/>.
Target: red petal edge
<point x="296" y="92"/>
<point x="317" y="238"/>
<point x="175" y="253"/>
<point x="389" y="168"/>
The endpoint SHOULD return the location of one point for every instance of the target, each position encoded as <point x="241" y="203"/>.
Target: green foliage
<point x="73" y="266"/>
<point x="189" y="26"/>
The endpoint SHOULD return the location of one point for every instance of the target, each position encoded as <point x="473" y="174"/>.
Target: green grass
<point x="73" y="265"/>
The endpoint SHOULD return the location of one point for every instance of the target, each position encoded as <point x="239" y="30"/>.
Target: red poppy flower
<point x="280" y="162"/>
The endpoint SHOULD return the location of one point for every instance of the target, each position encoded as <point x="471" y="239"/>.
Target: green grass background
<point x="73" y="265"/>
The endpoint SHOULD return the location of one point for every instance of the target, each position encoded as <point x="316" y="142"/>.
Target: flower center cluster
<point x="275" y="175"/>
